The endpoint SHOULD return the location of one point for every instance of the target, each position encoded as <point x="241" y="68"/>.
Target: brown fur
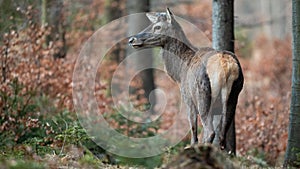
<point x="225" y="66"/>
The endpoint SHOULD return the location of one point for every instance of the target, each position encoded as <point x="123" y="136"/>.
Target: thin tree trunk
<point x="113" y="11"/>
<point x="52" y="14"/>
<point x="44" y="12"/>
<point x="292" y="156"/>
<point x="223" y="39"/>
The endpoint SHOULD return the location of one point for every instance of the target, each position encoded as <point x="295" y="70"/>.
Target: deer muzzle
<point x="139" y="40"/>
<point x="135" y="42"/>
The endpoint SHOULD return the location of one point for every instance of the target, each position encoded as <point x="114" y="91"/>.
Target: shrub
<point x="19" y="117"/>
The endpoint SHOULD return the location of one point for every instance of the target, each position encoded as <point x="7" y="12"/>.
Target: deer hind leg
<point x="229" y="101"/>
<point x="204" y="102"/>
<point x="208" y="129"/>
<point x="224" y="117"/>
<point x="193" y="120"/>
<point x="230" y="112"/>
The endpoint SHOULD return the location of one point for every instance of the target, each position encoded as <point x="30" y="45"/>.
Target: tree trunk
<point x="223" y="39"/>
<point x="51" y="13"/>
<point x="144" y="59"/>
<point x="223" y="25"/>
<point x="44" y="13"/>
<point x="292" y="156"/>
<point x="113" y="11"/>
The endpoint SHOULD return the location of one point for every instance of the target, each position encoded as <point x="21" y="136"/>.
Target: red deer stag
<point x="204" y="74"/>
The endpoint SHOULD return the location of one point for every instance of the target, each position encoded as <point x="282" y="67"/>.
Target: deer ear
<point x="169" y="15"/>
<point x="152" y="17"/>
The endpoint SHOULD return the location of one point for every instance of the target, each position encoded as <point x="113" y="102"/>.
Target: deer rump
<point x="211" y="87"/>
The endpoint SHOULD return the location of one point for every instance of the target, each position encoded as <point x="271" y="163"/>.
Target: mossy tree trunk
<point x="44" y="12"/>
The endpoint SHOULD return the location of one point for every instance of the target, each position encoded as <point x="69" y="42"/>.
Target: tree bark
<point x="113" y="11"/>
<point x="223" y="39"/>
<point x="44" y="13"/>
<point x="136" y="24"/>
<point x="223" y="25"/>
<point x="292" y="156"/>
<point x="52" y="14"/>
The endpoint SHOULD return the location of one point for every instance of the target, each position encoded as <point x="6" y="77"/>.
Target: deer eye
<point x="157" y="27"/>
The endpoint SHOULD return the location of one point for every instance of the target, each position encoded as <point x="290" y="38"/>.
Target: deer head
<point x="155" y="35"/>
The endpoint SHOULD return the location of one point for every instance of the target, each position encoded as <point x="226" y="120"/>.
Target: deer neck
<point x="177" y="54"/>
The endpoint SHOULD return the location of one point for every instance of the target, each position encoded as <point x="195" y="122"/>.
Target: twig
<point x="62" y="148"/>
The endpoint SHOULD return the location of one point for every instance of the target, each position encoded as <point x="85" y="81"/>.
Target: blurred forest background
<point x="40" y="41"/>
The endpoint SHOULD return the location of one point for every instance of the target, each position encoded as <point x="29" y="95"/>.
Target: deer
<point x="203" y="74"/>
